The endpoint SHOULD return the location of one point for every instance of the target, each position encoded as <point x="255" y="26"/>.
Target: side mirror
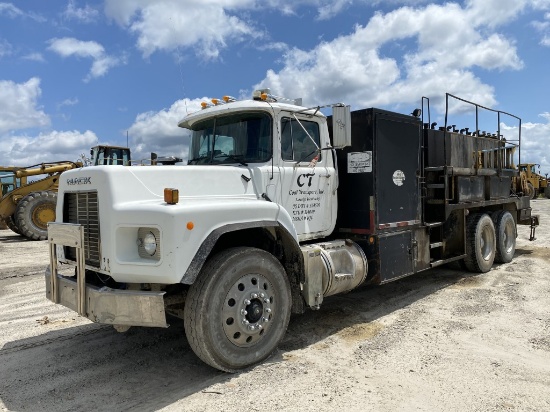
<point x="341" y="126"/>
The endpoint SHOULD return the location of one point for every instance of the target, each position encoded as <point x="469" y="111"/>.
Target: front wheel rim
<point x="248" y="309"/>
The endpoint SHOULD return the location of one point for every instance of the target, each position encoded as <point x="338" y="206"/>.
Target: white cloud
<point x="277" y="46"/>
<point x="46" y="147"/>
<point x="68" y="102"/>
<point x="169" y="24"/>
<point x="159" y="132"/>
<point x="102" y="63"/>
<point x="19" y="106"/>
<point x="450" y="48"/>
<point x="5" y="48"/>
<point x="86" y="14"/>
<point x="37" y="57"/>
<point x="543" y="27"/>
<point x="8" y="9"/>
<point x="69" y="46"/>
<point x="330" y="9"/>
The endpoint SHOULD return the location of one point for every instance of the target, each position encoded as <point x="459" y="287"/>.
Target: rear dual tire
<point x="489" y="239"/>
<point x="480" y="243"/>
<point x="505" y="230"/>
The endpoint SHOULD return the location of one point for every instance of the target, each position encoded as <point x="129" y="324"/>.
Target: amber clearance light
<point x="171" y="195"/>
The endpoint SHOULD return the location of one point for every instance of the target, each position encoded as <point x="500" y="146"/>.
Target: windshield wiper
<point x="236" y="158"/>
<point x="196" y="159"/>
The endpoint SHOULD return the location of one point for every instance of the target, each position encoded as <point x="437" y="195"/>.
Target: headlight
<point x="150" y="243"/>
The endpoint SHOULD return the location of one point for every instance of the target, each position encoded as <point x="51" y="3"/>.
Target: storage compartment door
<point x="397" y="163"/>
<point x="396" y="255"/>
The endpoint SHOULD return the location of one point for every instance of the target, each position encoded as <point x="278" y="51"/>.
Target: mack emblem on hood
<point x="80" y="181"/>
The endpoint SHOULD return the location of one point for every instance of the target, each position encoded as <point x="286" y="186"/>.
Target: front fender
<point x="283" y="222"/>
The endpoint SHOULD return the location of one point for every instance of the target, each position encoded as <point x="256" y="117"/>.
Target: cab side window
<point x="296" y="145"/>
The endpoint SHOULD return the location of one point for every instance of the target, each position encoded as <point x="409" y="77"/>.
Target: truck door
<point x="307" y="178"/>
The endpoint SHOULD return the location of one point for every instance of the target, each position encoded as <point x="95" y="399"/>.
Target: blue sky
<point x="76" y="73"/>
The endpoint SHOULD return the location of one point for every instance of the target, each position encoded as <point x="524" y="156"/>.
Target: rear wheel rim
<point x="508" y="237"/>
<point x="487" y="240"/>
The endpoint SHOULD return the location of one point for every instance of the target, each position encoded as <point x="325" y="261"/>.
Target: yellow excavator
<point x="27" y="207"/>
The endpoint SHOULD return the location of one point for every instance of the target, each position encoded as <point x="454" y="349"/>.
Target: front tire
<point x="11" y="224"/>
<point x="530" y="190"/>
<point x="505" y="229"/>
<point x="238" y="310"/>
<point x="480" y="243"/>
<point x="34" y="212"/>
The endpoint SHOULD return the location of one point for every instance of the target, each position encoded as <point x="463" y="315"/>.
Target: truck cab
<point x="284" y="153"/>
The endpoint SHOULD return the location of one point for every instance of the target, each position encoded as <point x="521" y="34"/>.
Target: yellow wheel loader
<point x="536" y="183"/>
<point x="27" y="207"/>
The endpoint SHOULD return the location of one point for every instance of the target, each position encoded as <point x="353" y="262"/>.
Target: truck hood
<point x="131" y="183"/>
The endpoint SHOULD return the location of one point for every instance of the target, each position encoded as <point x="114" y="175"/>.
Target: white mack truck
<point x="279" y="207"/>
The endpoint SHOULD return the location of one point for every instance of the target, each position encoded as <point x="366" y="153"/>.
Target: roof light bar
<point x="266" y="96"/>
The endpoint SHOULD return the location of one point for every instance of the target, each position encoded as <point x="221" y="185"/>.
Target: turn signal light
<point x="171" y="196"/>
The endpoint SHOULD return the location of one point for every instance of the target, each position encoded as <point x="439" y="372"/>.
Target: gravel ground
<point x="440" y="340"/>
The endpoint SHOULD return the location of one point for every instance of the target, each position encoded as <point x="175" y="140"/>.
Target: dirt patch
<point x="359" y="333"/>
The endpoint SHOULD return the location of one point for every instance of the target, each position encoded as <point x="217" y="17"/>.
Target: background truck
<point x="120" y="155"/>
<point x="278" y="208"/>
<point x="536" y="183"/>
<point x="27" y="207"/>
<point x="110" y="155"/>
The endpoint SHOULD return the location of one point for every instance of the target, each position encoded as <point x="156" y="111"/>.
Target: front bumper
<point x="110" y="306"/>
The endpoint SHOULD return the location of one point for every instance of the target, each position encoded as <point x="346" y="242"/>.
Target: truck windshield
<point x="238" y="138"/>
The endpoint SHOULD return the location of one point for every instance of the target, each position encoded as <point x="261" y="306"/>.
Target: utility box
<point x="378" y="185"/>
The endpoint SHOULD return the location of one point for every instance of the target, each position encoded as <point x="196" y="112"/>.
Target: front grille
<point x="83" y="208"/>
